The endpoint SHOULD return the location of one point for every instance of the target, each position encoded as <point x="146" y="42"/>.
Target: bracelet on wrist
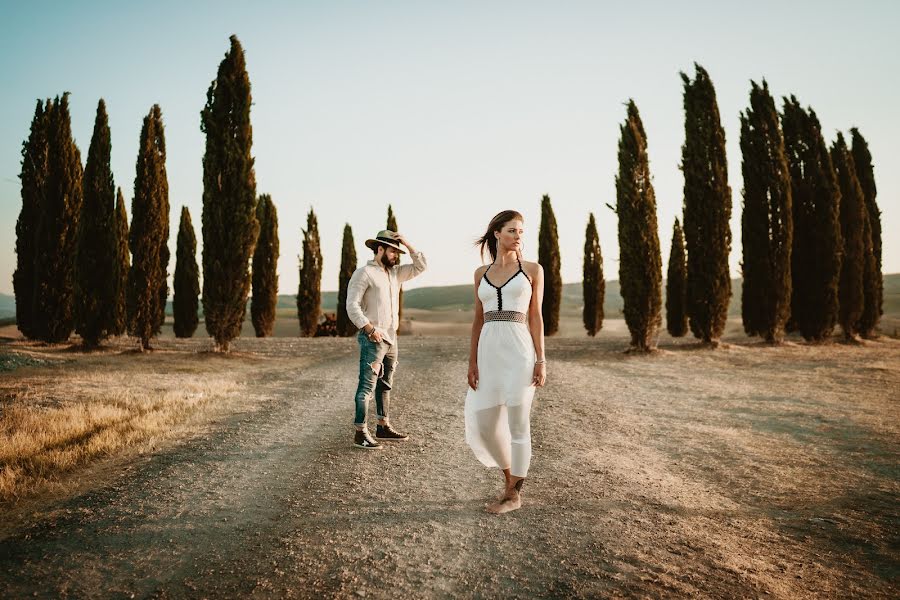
<point x="540" y="362"/>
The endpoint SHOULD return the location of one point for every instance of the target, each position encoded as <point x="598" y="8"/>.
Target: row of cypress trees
<point x="74" y="249"/>
<point x="79" y="266"/>
<point x="811" y="231"/>
<point x="47" y="227"/>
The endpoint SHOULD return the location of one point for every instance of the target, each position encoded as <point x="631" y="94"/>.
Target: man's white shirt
<point x="373" y="295"/>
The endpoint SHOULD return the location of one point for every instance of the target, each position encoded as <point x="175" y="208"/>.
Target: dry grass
<point x="56" y="419"/>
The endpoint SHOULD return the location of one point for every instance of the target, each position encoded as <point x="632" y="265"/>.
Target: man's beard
<point x="388" y="261"/>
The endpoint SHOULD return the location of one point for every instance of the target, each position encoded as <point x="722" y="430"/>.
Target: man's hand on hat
<point x="400" y="238"/>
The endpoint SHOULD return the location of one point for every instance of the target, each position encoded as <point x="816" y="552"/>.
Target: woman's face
<point x="509" y="238"/>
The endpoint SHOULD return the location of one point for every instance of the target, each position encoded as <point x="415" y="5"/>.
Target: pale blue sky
<point x="451" y="111"/>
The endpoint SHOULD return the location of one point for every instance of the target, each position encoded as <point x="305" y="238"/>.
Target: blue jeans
<point x="377" y="362"/>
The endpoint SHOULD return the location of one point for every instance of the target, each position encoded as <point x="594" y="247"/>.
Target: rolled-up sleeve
<point x="407" y="272"/>
<point x="355" y="290"/>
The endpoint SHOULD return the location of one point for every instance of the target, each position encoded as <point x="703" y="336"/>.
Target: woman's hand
<point x="540" y="374"/>
<point x="473" y="376"/>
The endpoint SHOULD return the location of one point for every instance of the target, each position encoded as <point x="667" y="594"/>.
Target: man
<point x="373" y="304"/>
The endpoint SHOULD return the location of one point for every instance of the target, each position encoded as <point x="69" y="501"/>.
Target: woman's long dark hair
<point x="496" y="224"/>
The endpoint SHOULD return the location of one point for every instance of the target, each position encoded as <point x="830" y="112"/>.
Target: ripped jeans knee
<point x="377" y="362"/>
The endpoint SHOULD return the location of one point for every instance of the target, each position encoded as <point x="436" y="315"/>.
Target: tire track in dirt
<point x="396" y="522"/>
<point x="174" y="523"/>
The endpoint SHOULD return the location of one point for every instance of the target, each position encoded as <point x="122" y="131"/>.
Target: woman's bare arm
<point x="477" y="323"/>
<point x="536" y="320"/>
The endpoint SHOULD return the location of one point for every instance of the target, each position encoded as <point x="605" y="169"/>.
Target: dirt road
<point x="744" y="472"/>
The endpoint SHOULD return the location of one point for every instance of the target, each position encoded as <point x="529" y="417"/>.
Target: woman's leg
<point x="519" y="419"/>
<point x="493" y="434"/>
<point x="520" y="439"/>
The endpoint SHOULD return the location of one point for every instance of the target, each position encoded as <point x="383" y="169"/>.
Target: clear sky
<point x="450" y="111"/>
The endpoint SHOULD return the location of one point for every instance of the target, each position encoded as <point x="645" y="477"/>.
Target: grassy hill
<point x="460" y="297"/>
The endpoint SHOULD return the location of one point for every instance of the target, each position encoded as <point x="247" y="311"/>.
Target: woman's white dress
<point x="497" y="414"/>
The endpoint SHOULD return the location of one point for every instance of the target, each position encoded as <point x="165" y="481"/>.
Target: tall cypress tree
<point x="593" y="284"/>
<point x="164" y="257"/>
<point x="853" y="226"/>
<point x="817" y="245"/>
<point x="186" y="283"/>
<point x="676" y="286"/>
<point x="873" y="280"/>
<point x="123" y="265"/>
<point x="391" y="220"/>
<point x="95" y="263"/>
<point x="865" y="326"/>
<point x="392" y="225"/>
<point x="640" y="263"/>
<point x="54" y="293"/>
<point x="309" y="292"/>
<point x="548" y="257"/>
<point x="707" y="209"/>
<point x="149" y="232"/>
<point x="345" y="326"/>
<point x="766" y="222"/>
<point x="34" y="180"/>
<point x="265" y="268"/>
<point x="230" y="227"/>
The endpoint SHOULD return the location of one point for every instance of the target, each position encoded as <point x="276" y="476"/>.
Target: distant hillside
<point x="7" y="306"/>
<point x="460" y="298"/>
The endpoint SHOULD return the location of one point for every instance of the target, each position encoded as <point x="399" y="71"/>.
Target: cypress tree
<point x="186" y="283"/>
<point x="392" y="225"/>
<point x="391" y="220"/>
<point x="149" y="232"/>
<point x="676" y="286"/>
<point x="230" y="227"/>
<point x="865" y="326"/>
<point x="707" y="209"/>
<point x="164" y="257"/>
<point x="309" y="294"/>
<point x="345" y="326"/>
<point x="766" y="222"/>
<point x="123" y="265"/>
<point x="54" y="292"/>
<point x="853" y="217"/>
<point x="96" y="265"/>
<point x="817" y="245"/>
<point x="640" y="263"/>
<point x="265" y="268"/>
<point x="548" y="257"/>
<point x="593" y="284"/>
<point x="873" y="280"/>
<point x="34" y="180"/>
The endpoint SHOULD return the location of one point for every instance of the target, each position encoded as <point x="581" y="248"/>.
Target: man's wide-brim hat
<point x="386" y="237"/>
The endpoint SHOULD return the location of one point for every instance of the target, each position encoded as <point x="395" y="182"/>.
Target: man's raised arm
<point x="407" y="272"/>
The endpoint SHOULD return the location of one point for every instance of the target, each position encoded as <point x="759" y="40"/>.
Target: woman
<point x="506" y="359"/>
